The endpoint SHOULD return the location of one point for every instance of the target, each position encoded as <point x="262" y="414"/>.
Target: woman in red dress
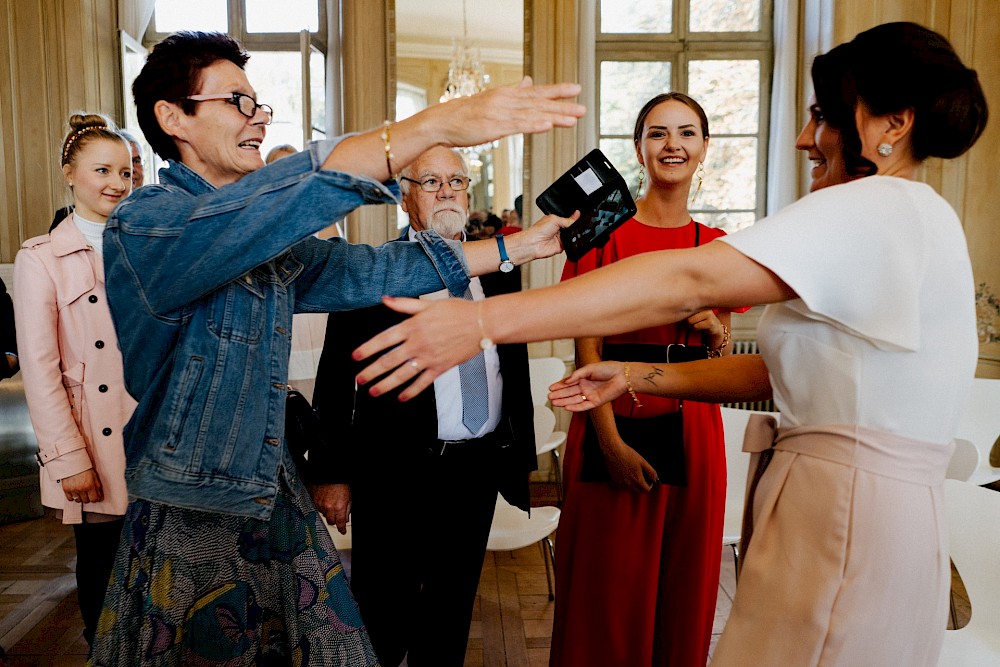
<point x="637" y="565"/>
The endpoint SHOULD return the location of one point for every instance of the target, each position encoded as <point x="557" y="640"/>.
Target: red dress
<point x="637" y="574"/>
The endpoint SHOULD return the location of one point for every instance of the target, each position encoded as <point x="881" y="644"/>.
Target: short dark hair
<point x="686" y="100"/>
<point x="897" y="66"/>
<point x="173" y="72"/>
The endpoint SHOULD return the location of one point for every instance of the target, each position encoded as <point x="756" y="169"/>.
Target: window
<point x="271" y="32"/>
<point x="717" y="51"/>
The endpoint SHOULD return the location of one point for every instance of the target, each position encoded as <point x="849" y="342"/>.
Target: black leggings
<point x="96" y="546"/>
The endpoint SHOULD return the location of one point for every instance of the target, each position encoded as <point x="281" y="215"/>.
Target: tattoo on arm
<point x="651" y="376"/>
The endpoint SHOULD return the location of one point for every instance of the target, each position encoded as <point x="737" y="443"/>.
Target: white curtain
<point x="802" y="29"/>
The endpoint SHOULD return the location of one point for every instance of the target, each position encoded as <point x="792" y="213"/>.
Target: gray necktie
<point x="475" y="390"/>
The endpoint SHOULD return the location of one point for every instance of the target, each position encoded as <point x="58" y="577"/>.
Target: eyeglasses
<point x="456" y="183"/>
<point x="244" y="103"/>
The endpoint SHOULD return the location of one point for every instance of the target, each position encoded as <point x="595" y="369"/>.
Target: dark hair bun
<point x="900" y="66"/>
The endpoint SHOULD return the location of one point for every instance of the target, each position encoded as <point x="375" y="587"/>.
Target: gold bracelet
<point x="717" y="352"/>
<point x="386" y="126"/>
<point x="485" y="342"/>
<point x="628" y="385"/>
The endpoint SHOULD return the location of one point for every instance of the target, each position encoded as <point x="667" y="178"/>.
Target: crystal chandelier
<point x="465" y="73"/>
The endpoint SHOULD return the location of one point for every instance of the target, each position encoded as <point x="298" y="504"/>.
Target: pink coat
<point x="72" y="368"/>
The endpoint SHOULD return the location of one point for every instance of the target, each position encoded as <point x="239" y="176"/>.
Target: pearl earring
<point x="885" y="150"/>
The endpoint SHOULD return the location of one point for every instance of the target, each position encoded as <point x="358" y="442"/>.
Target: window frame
<point x="681" y="46"/>
<point x="255" y="41"/>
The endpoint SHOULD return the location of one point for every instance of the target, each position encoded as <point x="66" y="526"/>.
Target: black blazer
<point x="367" y="433"/>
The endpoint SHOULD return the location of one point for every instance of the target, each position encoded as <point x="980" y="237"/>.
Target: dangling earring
<point x="701" y="176"/>
<point x="885" y="150"/>
<point x="642" y="177"/>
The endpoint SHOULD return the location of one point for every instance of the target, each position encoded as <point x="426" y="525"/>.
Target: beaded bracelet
<point x="717" y="352"/>
<point x="386" y="126"/>
<point x="628" y="385"/>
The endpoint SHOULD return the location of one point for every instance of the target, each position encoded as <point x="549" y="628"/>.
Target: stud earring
<point x="642" y="177"/>
<point x="885" y="150"/>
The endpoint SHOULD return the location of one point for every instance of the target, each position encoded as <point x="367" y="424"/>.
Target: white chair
<point x="734" y="424"/>
<point x="543" y="371"/>
<point x="514" y="529"/>
<point x="964" y="461"/>
<point x="973" y="515"/>
<point x="980" y="424"/>
<point x="548" y="441"/>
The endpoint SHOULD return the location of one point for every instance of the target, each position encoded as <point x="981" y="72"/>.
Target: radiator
<point x="749" y="347"/>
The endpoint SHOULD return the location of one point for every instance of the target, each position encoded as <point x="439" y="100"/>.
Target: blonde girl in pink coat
<point x="70" y="362"/>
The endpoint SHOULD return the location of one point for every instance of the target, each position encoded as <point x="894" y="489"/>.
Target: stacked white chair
<point x="973" y="515"/>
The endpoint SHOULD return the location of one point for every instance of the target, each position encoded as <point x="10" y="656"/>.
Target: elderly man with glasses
<point x="419" y="479"/>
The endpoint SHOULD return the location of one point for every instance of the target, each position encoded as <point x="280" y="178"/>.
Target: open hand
<point x="589" y="386"/>
<point x="506" y="110"/>
<point x="441" y="334"/>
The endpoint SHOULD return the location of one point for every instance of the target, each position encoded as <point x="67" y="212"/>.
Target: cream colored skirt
<point x="848" y="564"/>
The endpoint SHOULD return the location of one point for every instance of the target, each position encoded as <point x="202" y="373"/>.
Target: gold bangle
<point x="485" y="342"/>
<point x="714" y="353"/>
<point x="628" y="385"/>
<point x="386" y="127"/>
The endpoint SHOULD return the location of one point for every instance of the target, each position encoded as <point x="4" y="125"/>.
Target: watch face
<point x="506" y="266"/>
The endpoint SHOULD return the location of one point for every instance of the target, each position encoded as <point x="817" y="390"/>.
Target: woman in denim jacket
<point x="224" y="558"/>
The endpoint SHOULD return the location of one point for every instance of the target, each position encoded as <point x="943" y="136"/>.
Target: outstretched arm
<point x="736" y="378"/>
<point x="613" y="299"/>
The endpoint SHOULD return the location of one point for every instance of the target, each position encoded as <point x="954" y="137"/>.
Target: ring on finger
<point x="414" y="364"/>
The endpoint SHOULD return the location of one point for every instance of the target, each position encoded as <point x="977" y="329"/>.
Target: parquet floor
<point x="40" y="623"/>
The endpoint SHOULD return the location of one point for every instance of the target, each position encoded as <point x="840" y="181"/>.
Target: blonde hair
<point x="84" y="128"/>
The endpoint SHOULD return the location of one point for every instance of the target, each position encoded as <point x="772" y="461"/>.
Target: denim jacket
<point x="202" y="283"/>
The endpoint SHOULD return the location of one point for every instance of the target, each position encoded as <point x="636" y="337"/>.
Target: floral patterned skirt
<point x="198" y="588"/>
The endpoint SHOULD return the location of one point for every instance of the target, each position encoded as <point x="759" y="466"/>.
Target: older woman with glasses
<point x="223" y="558"/>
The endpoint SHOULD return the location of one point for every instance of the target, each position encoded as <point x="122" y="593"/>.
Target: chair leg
<point x="559" y="479"/>
<point x="549" y="556"/>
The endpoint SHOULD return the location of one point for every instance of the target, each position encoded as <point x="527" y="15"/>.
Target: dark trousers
<point x="96" y="546"/>
<point x="420" y="528"/>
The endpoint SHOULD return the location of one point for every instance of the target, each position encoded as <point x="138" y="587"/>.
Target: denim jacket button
<point x="273" y="441"/>
<point x="281" y="330"/>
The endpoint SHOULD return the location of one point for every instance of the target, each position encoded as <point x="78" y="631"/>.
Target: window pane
<point x="284" y="16"/>
<point x="317" y="86"/>
<point x="637" y="16"/>
<point x="621" y="152"/>
<point x="730" y="175"/>
<point x="725" y="15"/>
<point x="174" y="15"/>
<point x="275" y="75"/>
<point x="730" y="221"/>
<point x="729" y="91"/>
<point x="625" y="87"/>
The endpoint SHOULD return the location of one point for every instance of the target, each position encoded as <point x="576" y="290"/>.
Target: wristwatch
<point x="506" y="266"/>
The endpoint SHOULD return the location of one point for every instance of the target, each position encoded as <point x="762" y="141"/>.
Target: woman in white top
<point x="869" y="355"/>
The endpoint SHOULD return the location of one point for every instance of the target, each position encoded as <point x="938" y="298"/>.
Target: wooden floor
<point x="40" y="623"/>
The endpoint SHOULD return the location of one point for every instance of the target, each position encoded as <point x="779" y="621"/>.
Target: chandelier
<point x="466" y="75"/>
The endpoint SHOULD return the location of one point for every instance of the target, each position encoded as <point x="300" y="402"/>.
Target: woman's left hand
<point x="708" y="324"/>
<point x="83" y="487"/>
<point x="441" y="334"/>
